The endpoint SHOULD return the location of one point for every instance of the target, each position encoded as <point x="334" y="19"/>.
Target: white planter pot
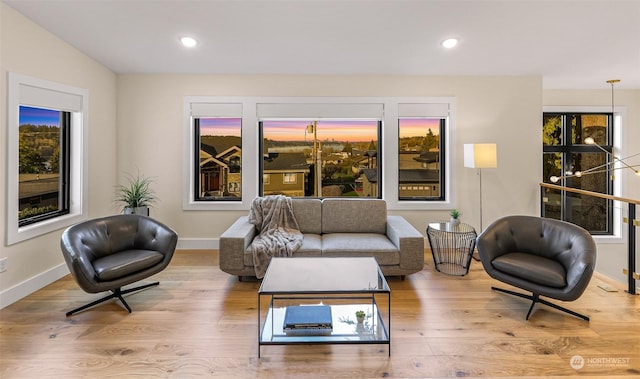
<point x="143" y="211"/>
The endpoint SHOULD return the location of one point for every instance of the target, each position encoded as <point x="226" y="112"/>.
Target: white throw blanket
<point x="279" y="235"/>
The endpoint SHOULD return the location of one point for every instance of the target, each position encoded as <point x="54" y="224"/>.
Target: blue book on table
<point x="308" y="317"/>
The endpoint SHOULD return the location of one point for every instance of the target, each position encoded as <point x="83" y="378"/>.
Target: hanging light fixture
<point x="607" y="166"/>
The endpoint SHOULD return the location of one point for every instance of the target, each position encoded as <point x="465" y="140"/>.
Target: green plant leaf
<point x="136" y="193"/>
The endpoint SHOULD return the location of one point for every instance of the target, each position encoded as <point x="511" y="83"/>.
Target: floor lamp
<point x="480" y="155"/>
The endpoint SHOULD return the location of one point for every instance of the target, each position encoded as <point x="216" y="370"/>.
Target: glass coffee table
<point x="346" y="285"/>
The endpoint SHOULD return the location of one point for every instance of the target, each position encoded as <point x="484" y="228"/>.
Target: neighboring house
<point x="428" y="159"/>
<point x="414" y="183"/>
<point x="417" y="159"/>
<point x="285" y="174"/>
<point x="419" y="183"/>
<point x="363" y="161"/>
<point x="38" y="190"/>
<point x="334" y="158"/>
<point x="220" y="162"/>
<point x="367" y="183"/>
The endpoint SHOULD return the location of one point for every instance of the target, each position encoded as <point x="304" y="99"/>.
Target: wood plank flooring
<point x="201" y="322"/>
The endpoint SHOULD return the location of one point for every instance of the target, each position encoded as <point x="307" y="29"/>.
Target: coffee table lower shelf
<point x="346" y="330"/>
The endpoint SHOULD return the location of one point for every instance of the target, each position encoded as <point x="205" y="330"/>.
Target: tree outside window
<point x="578" y="165"/>
<point x="41" y="149"/>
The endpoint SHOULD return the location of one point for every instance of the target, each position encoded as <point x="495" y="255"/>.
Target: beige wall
<point x="505" y="110"/>
<point x="136" y="124"/>
<point x="29" y="50"/>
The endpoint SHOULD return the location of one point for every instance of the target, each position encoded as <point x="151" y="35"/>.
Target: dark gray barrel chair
<point x="108" y="253"/>
<point x="547" y="257"/>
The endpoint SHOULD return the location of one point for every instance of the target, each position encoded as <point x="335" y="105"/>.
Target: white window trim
<point x="251" y="106"/>
<point x="78" y="204"/>
<point x="619" y="150"/>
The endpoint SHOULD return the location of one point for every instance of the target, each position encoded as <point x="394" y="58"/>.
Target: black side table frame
<point x="451" y="246"/>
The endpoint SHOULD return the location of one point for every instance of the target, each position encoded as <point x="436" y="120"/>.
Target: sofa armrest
<point x="234" y="242"/>
<point x="408" y="240"/>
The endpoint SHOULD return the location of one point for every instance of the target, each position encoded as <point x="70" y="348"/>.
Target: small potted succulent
<point x="360" y="316"/>
<point x="455" y="217"/>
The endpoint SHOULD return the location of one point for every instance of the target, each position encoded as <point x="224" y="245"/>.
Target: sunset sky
<point x="294" y="130"/>
<point x="38" y="116"/>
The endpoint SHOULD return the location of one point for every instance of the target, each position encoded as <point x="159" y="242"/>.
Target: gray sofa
<point x="336" y="227"/>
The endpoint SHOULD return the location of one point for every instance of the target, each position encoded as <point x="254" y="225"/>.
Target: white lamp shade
<point x="481" y="155"/>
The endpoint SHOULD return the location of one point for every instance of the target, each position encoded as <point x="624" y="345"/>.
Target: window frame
<point x="443" y="147"/>
<point x="619" y="148"/>
<point x="378" y="141"/>
<point x="567" y="149"/>
<point x="63" y="186"/>
<point x="196" y="178"/>
<point x="40" y="93"/>
<point x="392" y="108"/>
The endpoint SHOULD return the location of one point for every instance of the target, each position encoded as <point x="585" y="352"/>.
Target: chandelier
<point x="615" y="162"/>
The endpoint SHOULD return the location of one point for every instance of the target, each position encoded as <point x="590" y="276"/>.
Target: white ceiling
<point x="570" y="43"/>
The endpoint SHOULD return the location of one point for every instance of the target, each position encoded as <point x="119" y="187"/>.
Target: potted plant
<point x="455" y="217"/>
<point x="360" y="316"/>
<point x="136" y="196"/>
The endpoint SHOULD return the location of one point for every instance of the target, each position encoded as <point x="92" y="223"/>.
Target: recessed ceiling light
<point x="188" y="41"/>
<point x="449" y="43"/>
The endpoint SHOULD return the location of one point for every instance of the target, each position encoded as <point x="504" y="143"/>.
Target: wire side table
<point x="451" y="246"/>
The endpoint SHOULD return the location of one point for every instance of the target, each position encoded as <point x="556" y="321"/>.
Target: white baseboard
<point x="198" y="243"/>
<point x="31" y="285"/>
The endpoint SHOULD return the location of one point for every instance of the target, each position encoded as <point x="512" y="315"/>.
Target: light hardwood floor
<point x="201" y="322"/>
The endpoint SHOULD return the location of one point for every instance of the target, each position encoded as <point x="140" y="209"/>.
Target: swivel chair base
<point x="536" y="299"/>
<point x="116" y="293"/>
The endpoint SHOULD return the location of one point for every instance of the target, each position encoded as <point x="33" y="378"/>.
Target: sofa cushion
<point x="354" y="216"/>
<point x="308" y="214"/>
<point x="311" y="247"/>
<point x="360" y="244"/>
<point x="533" y="268"/>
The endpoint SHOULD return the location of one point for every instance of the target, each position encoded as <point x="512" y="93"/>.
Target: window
<point x="322" y="158"/>
<point x="420" y="160"/>
<point x="47" y="155"/>
<point x="320" y="147"/>
<point x="43" y="164"/>
<point x="570" y="161"/>
<point x="219" y="156"/>
<point x="290" y="178"/>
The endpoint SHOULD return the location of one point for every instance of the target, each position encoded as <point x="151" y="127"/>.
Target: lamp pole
<point x="317" y="160"/>
<point x="480" y="173"/>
